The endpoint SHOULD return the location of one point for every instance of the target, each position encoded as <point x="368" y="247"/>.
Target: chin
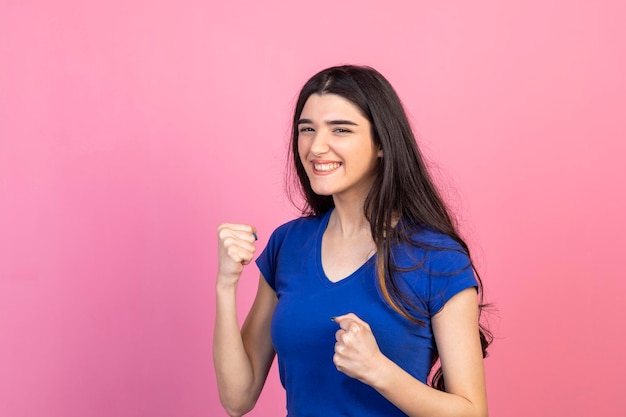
<point x="322" y="192"/>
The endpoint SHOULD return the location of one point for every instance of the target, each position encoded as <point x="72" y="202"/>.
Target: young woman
<point x="362" y="295"/>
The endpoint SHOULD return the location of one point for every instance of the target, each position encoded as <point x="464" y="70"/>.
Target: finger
<point x="337" y="361"/>
<point x="238" y="227"/>
<point x="347" y="319"/>
<point x="247" y="244"/>
<point x="249" y="235"/>
<point x="339" y="334"/>
<point x="240" y="254"/>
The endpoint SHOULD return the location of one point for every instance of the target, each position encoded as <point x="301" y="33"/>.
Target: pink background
<point x="130" y="129"/>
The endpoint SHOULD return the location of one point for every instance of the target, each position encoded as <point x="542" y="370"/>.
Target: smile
<point x="326" y="167"/>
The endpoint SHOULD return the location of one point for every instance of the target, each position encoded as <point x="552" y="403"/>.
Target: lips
<point x="326" y="167"/>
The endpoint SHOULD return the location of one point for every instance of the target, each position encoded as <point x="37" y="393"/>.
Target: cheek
<point x="302" y="151"/>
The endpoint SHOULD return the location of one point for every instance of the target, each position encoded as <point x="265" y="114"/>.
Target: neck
<point x="348" y="218"/>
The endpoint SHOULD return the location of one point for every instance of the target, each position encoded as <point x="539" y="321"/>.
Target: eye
<point x="305" y="129"/>
<point x="341" y="130"/>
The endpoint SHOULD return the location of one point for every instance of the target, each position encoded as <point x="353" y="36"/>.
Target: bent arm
<point x="457" y="335"/>
<point x="242" y="358"/>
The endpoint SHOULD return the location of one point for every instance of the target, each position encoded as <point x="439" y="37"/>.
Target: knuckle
<point x="222" y="233"/>
<point x="337" y="360"/>
<point x="232" y="251"/>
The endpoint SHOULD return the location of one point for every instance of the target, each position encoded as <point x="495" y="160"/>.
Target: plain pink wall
<point x="130" y="129"/>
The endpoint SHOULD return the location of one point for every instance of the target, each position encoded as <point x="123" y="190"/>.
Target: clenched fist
<point x="356" y="351"/>
<point x="235" y="245"/>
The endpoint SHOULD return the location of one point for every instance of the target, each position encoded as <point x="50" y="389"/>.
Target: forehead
<point x="330" y="106"/>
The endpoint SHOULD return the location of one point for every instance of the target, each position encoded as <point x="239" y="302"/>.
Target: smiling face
<point x="336" y="148"/>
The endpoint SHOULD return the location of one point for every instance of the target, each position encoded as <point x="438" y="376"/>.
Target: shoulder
<point x="283" y="245"/>
<point x="437" y="268"/>
<point x="434" y="251"/>
<point x="434" y="240"/>
<point x="301" y="227"/>
<point x="298" y="225"/>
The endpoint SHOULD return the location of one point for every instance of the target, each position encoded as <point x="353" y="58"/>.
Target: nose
<point x="319" y="144"/>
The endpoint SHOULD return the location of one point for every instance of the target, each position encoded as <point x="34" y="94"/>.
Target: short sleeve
<point x="450" y="272"/>
<point x="267" y="260"/>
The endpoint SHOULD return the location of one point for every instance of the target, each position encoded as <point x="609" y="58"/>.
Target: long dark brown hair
<point x="403" y="198"/>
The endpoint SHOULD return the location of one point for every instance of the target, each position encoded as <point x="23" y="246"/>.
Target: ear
<point x="380" y="152"/>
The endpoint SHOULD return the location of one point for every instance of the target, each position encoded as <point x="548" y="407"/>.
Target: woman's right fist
<point x="235" y="245"/>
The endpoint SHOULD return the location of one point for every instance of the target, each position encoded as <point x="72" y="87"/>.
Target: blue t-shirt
<point x="304" y="335"/>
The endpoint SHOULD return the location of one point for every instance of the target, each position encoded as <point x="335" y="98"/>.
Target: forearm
<point x="233" y="369"/>
<point x="417" y="399"/>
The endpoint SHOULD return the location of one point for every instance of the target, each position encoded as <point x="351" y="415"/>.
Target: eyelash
<point x="337" y="130"/>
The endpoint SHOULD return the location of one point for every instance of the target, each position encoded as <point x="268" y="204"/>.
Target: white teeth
<point x="326" y="167"/>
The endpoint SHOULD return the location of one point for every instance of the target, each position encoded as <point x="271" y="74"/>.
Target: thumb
<point x="345" y="320"/>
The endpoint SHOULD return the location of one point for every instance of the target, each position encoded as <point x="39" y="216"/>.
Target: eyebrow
<point x="329" y="122"/>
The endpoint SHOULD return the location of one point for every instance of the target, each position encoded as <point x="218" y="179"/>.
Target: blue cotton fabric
<point x="304" y="335"/>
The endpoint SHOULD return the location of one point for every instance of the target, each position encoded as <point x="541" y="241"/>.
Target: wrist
<point x="225" y="284"/>
<point x="381" y="375"/>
